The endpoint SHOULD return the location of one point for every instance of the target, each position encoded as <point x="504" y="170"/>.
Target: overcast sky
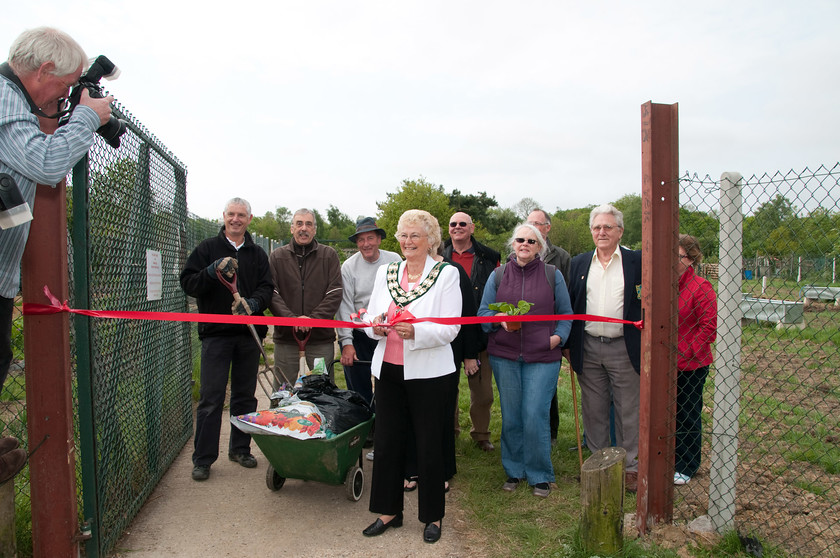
<point x="308" y="104"/>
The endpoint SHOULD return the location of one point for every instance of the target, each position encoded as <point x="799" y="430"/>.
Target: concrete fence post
<point x="724" y="457"/>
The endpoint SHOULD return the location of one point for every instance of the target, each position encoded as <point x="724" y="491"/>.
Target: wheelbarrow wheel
<point x="354" y="484"/>
<point x="273" y="480"/>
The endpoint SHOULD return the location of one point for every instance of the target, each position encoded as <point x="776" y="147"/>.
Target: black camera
<point x="101" y="68"/>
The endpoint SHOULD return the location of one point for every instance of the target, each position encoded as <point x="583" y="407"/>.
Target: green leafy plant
<point x="522" y="307"/>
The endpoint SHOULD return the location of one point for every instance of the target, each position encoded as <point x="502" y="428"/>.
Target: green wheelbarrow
<point x="332" y="461"/>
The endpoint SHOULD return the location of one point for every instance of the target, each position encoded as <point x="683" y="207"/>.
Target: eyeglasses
<point x="524" y="240"/>
<point x="402" y="237"/>
<point x="607" y="228"/>
<point x="307" y="224"/>
<point x="461" y="224"/>
<point x="537" y="223"/>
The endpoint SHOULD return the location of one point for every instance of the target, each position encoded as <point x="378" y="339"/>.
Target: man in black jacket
<point x="227" y="348"/>
<point x="478" y="261"/>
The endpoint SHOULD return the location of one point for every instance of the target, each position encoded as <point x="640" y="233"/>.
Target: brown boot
<point x="11" y="463"/>
<point x="8" y="443"/>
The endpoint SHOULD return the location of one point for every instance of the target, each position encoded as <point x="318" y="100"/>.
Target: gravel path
<point x="234" y="514"/>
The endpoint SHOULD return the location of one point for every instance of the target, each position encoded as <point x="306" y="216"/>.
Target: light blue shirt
<point x="32" y="157"/>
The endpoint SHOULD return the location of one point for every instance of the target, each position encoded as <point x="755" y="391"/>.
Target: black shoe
<point x="431" y="534"/>
<point x="377" y="527"/>
<point x="244" y="459"/>
<point x="201" y="472"/>
<point x="410" y="484"/>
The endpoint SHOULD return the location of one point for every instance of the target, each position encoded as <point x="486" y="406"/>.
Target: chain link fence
<point x="132" y="378"/>
<point x="769" y="433"/>
<point x="135" y="408"/>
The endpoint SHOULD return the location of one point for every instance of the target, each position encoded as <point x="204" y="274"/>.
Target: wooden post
<point x="49" y="392"/>
<point x="658" y="381"/>
<point x="602" y="502"/>
<point x="8" y="546"/>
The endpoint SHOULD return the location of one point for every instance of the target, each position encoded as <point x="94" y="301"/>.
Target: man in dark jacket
<point x="307" y="284"/>
<point x="607" y="282"/>
<point x="478" y="261"/>
<point x="227" y="348"/>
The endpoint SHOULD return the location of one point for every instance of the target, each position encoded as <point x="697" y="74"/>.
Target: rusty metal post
<point x="657" y="402"/>
<point x="49" y="398"/>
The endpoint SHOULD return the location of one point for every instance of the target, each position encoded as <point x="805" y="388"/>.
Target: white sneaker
<point x="680" y="479"/>
<point x="369" y="455"/>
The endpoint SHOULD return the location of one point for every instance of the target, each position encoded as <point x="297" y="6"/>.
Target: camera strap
<point x="7" y="72"/>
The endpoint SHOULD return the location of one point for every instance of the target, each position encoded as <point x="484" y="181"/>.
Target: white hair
<point x="238" y="201"/>
<point x="537" y="234"/>
<point x="36" y="46"/>
<point x="607" y="209"/>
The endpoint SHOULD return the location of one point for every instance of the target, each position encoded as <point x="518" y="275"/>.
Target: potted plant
<point x="522" y="307"/>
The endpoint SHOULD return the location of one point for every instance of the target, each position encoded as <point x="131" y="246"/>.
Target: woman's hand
<point x="404" y="330"/>
<point x="553" y="341"/>
<point x="503" y="324"/>
<point x="378" y="329"/>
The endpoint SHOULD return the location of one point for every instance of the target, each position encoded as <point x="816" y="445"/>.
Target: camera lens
<point x="111" y="131"/>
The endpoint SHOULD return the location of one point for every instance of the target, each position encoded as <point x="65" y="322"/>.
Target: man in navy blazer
<point x="607" y="282"/>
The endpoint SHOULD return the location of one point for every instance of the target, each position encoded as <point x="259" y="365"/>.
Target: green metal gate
<point x="134" y="376"/>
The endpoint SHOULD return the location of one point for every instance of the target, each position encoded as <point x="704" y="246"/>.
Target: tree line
<point x="776" y="229"/>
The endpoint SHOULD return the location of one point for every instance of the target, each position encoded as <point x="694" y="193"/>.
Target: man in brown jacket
<point x="307" y="284"/>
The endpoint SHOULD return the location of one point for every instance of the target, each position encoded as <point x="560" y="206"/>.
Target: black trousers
<point x="358" y="376"/>
<point x="689" y="443"/>
<point x="236" y="356"/>
<point x="449" y="466"/>
<point x="7" y="305"/>
<point x="420" y="405"/>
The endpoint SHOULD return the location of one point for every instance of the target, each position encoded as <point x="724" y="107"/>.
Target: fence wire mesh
<point x="784" y="456"/>
<point x="140" y="371"/>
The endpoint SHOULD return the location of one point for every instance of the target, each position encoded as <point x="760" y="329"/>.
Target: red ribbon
<point x="55" y="306"/>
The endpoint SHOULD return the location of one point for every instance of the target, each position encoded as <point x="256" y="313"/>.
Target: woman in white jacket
<point x="410" y="365"/>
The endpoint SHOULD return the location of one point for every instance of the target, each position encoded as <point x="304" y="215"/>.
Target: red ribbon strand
<point x="56" y="306"/>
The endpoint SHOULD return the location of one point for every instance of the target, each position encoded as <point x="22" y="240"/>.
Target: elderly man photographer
<point x="44" y="63"/>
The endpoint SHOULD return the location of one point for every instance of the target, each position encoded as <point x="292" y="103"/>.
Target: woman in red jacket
<point x="697" y="331"/>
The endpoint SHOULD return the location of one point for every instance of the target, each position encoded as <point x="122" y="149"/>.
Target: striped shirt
<point x="32" y="157"/>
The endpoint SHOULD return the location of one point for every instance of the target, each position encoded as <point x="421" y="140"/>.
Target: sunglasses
<point x="524" y="240"/>
<point x="461" y="224"/>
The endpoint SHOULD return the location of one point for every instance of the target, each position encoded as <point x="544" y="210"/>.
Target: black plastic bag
<point x="342" y="409"/>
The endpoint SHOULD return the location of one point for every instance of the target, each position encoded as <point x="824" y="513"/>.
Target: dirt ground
<point x="234" y="514"/>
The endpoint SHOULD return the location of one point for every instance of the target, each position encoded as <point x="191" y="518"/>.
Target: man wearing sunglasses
<point x="478" y="261"/>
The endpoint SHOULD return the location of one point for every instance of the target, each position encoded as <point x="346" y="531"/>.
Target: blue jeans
<point x="525" y="392"/>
